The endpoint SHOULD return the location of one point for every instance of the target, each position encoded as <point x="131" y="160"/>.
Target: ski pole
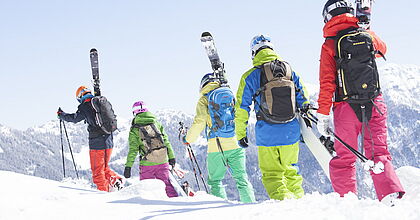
<point x="376" y="168"/>
<point x="199" y="170"/>
<point x="193" y="167"/>
<point x="62" y="147"/>
<point x="183" y="130"/>
<point x="71" y="152"/>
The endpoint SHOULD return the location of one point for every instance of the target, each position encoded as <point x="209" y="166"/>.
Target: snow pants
<point x="161" y="172"/>
<point x="280" y="173"/>
<point x="217" y="170"/>
<point x="101" y="173"/>
<point x="342" y="167"/>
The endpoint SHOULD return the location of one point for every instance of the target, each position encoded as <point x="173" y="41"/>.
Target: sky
<point x="151" y="50"/>
<point x="35" y="198"/>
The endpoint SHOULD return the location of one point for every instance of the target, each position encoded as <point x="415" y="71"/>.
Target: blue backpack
<point x="222" y="112"/>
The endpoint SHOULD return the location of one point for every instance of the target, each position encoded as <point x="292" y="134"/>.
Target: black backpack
<point x="104" y="114"/>
<point x="357" y="79"/>
<point x="277" y="103"/>
<point x="154" y="147"/>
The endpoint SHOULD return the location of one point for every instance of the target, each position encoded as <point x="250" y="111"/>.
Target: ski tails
<point x="176" y="185"/>
<point x="95" y="71"/>
<point x="320" y="152"/>
<point x="211" y="51"/>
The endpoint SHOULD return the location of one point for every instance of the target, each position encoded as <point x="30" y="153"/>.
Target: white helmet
<point x="260" y="42"/>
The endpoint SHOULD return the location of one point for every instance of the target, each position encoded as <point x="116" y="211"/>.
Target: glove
<point x="322" y="124"/>
<point x="306" y="107"/>
<point x="243" y="142"/>
<point x="184" y="140"/>
<point x="59" y="111"/>
<point x="127" y="172"/>
<point x="172" y="162"/>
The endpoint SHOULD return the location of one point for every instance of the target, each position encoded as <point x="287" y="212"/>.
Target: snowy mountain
<point x="36" y="198"/>
<point x="37" y="151"/>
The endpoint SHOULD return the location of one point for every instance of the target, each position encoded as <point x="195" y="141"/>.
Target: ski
<point x="177" y="186"/>
<point x="363" y="12"/>
<point x="211" y="51"/>
<point x="95" y="71"/>
<point x="320" y="152"/>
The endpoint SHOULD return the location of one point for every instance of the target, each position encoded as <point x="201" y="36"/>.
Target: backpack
<point x="104" y="114"/>
<point x="277" y="104"/>
<point x="222" y="112"/>
<point x="357" y="79"/>
<point x="154" y="147"/>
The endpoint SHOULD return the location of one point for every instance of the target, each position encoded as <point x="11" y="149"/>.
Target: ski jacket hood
<point x="338" y="23"/>
<point x="264" y="56"/>
<point x="209" y="87"/>
<point x="144" y="118"/>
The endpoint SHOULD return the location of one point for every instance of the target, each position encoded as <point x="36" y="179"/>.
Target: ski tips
<point x="206" y="34"/>
<point x="93" y="50"/>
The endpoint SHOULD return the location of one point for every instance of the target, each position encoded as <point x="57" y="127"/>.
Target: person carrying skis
<point x="100" y="143"/>
<point x="276" y="92"/>
<point x="223" y="150"/>
<point x="348" y="73"/>
<point x="148" y="139"/>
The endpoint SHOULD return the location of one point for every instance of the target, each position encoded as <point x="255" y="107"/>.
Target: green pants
<point x="279" y="170"/>
<point x="217" y="170"/>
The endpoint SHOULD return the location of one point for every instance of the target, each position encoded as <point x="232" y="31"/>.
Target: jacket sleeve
<point x="73" y="117"/>
<point x="301" y="93"/>
<point x="171" y="154"/>
<point x="200" y="120"/>
<point x="378" y="44"/>
<point x="246" y="89"/>
<point x="327" y="75"/>
<point x="133" y="146"/>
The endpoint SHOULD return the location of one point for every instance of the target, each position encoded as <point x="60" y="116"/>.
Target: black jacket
<point x="98" y="140"/>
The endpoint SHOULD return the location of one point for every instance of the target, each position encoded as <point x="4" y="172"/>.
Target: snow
<point x="1" y="150"/>
<point x="36" y="198"/>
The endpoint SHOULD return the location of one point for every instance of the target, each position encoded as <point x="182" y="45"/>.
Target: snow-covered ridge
<point x="401" y="83"/>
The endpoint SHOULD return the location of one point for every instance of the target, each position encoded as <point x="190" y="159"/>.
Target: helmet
<point x="82" y="93"/>
<point x="139" y="107"/>
<point x="260" y="42"/>
<point x="209" y="77"/>
<point x="336" y="7"/>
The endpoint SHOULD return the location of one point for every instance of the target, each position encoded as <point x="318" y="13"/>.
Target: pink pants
<point x="342" y="167"/>
<point x="161" y="172"/>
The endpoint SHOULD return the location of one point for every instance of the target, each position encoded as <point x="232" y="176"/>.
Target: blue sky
<point x="151" y="50"/>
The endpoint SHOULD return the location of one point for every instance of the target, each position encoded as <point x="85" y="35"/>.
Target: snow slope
<point x="36" y="198"/>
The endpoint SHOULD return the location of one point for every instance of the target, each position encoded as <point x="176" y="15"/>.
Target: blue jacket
<point x="266" y="134"/>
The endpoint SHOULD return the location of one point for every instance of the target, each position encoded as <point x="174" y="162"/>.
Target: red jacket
<point x="327" y="67"/>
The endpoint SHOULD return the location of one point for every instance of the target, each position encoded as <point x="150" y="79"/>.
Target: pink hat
<point x="139" y="107"/>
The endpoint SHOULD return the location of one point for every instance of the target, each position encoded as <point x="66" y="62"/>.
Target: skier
<point x="353" y="116"/>
<point x="277" y="128"/>
<point x="223" y="152"/>
<point x="100" y="143"/>
<point x="148" y="139"/>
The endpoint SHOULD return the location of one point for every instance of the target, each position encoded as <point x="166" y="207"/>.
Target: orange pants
<point x="101" y="173"/>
